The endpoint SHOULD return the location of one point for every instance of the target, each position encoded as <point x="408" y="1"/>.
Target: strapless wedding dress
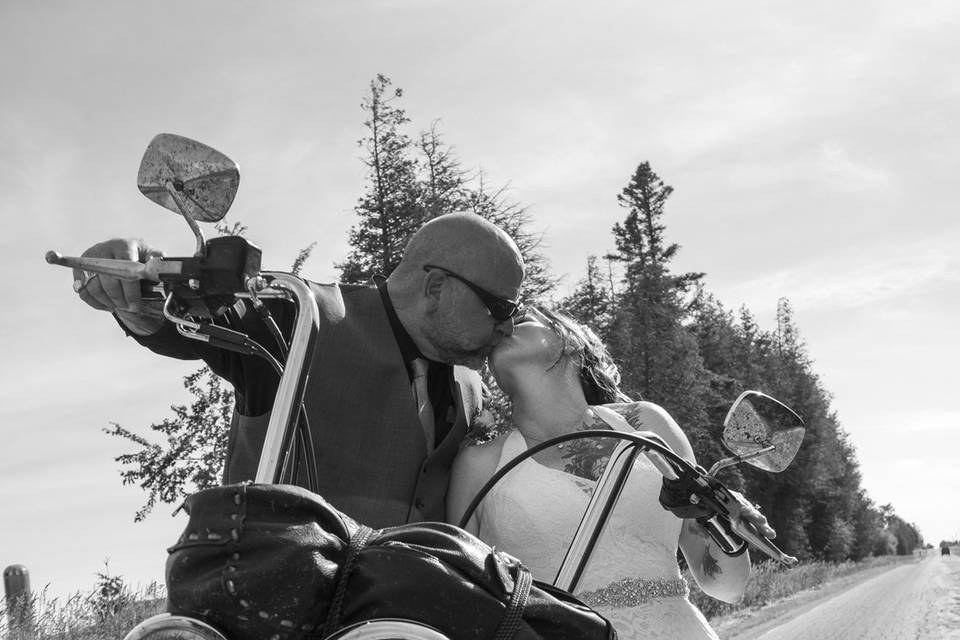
<point x="632" y="579"/>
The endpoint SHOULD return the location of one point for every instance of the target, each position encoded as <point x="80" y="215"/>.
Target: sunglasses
<point x="502" y="309"/>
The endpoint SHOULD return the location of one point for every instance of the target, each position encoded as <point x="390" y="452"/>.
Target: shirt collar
<point x="408" y="348"/>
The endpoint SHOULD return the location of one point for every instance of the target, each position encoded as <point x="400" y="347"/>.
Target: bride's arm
<point x="719" y="575"/>
<point x="473" y="466"/>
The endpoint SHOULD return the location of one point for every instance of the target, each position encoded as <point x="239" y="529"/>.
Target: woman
<point x="561" y="379"/>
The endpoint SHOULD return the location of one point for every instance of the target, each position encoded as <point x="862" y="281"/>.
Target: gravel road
<point x="917" y="601"/>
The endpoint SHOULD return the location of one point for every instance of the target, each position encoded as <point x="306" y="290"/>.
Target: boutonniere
<point x="482" y="420"/>
<point x="482" y="426"/>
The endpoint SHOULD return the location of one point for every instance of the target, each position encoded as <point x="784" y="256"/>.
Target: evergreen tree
<point x="592" y="300"/>
<point x="659" y="358"/>
<point x="444" y="182"/>
<point x="390" y="210"/>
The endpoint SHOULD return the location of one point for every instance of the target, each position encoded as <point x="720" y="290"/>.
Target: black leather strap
<point x="357" y="542"/>
<point x="518" y="600"/>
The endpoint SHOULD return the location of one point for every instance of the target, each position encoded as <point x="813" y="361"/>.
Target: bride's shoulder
<point x="638" y="411"/>
<point x="649" y="416"/>
<point x="485" y="453"/>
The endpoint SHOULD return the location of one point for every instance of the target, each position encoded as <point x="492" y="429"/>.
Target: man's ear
<point x="432" y="287"/>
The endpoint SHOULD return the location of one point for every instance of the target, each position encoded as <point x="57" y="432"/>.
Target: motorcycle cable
<point x="304" y="451"/>
<point x="242" y="343"/>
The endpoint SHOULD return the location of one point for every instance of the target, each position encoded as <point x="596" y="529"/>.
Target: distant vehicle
<point x="944" y="550"/>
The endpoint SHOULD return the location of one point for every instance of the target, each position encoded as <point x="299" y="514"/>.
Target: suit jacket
<point x="370" y="448"/>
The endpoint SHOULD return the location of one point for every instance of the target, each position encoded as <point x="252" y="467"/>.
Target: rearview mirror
<point x="188" y="177"/>
<point x="762" y="431"/>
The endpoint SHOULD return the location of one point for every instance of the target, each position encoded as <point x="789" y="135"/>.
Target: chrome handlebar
<point x="265" y="285"/>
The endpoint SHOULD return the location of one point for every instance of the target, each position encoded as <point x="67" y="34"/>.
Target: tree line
<point x="675" y="342"/>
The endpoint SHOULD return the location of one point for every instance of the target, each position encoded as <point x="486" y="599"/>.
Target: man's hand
<point x="109" y="293"/>
<point x="748" y="512"/>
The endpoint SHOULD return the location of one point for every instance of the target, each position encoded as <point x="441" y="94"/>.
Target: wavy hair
<point x="599" y="374"/>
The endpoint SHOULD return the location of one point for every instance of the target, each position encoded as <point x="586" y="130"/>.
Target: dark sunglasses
<point x="501" y="309"/>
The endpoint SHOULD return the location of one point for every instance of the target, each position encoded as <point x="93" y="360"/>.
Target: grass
<point x="769" y="581"/>
<point x="93" y="616"/>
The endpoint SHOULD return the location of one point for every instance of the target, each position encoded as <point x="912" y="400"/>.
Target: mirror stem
<point x="729" y="462"/>
<point x="197" y="232"/>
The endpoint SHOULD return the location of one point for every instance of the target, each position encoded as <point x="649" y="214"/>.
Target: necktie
<point x="424" y="407"/>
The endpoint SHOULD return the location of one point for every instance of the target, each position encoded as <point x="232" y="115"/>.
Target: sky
<point x="812" y="148"/>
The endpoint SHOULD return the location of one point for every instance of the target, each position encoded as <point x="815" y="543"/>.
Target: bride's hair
<point x="599" y="374"/>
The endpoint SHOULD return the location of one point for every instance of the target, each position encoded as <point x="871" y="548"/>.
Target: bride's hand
<point x="745" y="510"/>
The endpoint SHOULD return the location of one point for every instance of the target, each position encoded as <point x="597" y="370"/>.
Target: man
<point x="452" y="298"/>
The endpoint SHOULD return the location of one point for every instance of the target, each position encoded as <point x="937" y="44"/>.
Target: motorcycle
<point x="200" y="184"/>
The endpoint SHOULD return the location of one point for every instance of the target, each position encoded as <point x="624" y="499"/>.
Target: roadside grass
<point x="90" y="616"/>
<point x="769" y="581"/>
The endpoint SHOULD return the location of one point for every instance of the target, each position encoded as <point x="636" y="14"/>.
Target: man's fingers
<point x="90" y="300"/>
<point x="114" y="292"/>
<point x="131" y="293"/>
<point x="760" y="522"/>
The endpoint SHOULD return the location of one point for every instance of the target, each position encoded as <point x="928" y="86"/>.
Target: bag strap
<point x="518" y="600"/>
<point x="357" y="542"/>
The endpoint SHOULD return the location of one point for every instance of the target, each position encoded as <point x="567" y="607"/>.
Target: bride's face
<point x="532" y="349"/>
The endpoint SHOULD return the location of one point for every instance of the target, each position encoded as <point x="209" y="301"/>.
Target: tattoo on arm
<point x="709" y="564"/>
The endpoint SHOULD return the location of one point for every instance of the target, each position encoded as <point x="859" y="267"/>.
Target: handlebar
<point x="200" y="287"/>
<point x="709" y="494"/>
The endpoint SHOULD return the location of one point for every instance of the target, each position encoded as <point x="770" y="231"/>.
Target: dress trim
<point x="630" y="592"/>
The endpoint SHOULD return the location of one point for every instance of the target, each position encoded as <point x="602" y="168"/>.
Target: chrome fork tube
<point x="604" y="498"/>
<point x="286" y="406"/>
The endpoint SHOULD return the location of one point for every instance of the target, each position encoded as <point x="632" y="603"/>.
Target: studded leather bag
<point x="276" y="561"/>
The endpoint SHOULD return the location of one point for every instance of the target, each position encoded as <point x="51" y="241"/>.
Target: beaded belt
<point x="630" y="592"/>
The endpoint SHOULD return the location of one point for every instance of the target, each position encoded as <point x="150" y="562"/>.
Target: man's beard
<point x="471" y="358"/>
<point x="452" y="351"/>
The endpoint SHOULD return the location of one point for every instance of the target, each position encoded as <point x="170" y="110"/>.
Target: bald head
<point x="448" y="319"/>
<point x="469" y="245"/>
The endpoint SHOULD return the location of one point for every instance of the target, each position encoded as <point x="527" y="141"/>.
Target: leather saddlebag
<point x="276" y="561"/>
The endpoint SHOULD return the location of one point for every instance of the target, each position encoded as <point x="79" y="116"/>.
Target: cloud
<point x="844" y="172"/>
<point x="916" y="421"/>
<point x="853" y="277"/>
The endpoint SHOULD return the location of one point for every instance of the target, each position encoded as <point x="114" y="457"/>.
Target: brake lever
<point x="728" y="528"/>
<point x="749" y="532"/>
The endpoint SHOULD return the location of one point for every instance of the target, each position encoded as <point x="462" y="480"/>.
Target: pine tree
<point x="592" y="300"/>
<point x="660" y="358"/>
<point x="390" y="209"/>
<point x="443" y="181"/>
